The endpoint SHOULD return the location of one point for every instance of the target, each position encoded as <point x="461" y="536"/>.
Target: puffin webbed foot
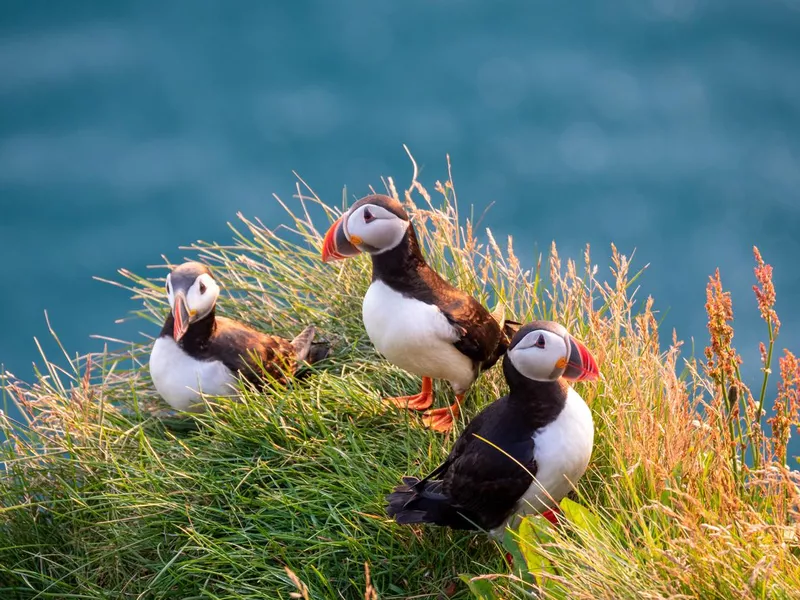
<point x="441" y="419"/>
<point x="552" y="515"/>
<point x="421" y="401"/>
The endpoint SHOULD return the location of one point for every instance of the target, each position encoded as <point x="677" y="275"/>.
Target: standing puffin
<point x="414" y="318"/>
<point x="198" y="351"/>
<point x="541" y="429"/>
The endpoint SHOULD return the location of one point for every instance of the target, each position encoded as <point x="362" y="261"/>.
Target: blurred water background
<point x="129" y="128"/>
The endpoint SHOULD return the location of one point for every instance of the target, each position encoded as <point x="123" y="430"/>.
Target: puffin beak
<point x="336" y="246"/>
<point x="581" y="365"/>
<point x="181" y="315"/>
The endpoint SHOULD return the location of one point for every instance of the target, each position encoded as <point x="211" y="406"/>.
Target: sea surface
<point x="130" y="128"/>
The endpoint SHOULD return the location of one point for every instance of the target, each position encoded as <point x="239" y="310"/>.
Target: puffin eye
<point x="202" y="288"/>
<point x="540" y="342"/>
<point x="368" y="216"/>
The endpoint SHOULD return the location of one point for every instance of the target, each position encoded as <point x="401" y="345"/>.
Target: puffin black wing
<point x="255" y="355"/>
<point x="481" y="337"/>
<point x="487" y="472"/>
<point x="479" y="334"/>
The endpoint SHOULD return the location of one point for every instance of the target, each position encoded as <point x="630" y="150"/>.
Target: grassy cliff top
<point x="280" y="494"/>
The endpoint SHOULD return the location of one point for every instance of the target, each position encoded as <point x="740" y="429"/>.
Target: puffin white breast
<point x="562" y="450"/>
<point x="415" y="336"/>
<point x="180" y="378"/>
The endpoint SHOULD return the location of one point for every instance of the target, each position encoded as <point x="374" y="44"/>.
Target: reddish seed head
<point x="765" y="292"/>
<point x="722" y="358"/>
<point x="787" y="404"/>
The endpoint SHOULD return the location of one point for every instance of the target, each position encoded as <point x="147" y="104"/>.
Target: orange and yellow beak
<point x="181" y="316"/>
<point x="336" y="244"/>
<point x="581" y="365"/>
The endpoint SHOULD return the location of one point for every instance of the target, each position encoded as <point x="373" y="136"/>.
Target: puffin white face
<point x="200" y="297"/>
<point x="544" y="351"/>
<point x="372" y="228"/>
<point x="374" y="224"/>
<point x="192" y="295"/>
<point x="541" y="355"/>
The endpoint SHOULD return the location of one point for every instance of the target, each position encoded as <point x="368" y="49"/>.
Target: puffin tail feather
<point x="508" y="326"/>
<point x="509" y="329"/>
<point x="306" y="349"/>
<point x="319" y="351"/>
<point x="416" y="501"/>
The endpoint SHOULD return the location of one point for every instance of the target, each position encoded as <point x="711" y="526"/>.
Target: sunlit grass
<point x="280" y="494"/>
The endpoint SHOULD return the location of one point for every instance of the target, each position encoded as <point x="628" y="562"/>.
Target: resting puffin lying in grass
<point x="198" y="351"/>
<point x="541" y="429"/>
<point x="414" y="318"/>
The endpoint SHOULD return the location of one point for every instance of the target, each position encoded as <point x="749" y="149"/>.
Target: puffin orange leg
<point x="421" y="401"/>
<point x="441" y="419"/>
<point x="552" y="515"/>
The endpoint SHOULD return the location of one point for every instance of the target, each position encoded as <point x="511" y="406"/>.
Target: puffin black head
<point x="192" y="294"/>
<point x="544" y="351"/>
<point x="374" y="224"/>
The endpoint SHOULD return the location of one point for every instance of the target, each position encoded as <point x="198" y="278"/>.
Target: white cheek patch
<point x="389" y="234"/>
<point x="530" y="363"/>
<point x="537" y="363"/>
<point x="379" y="235"/>
<point x="200" y="304"/>
<point x="170" y="295"/>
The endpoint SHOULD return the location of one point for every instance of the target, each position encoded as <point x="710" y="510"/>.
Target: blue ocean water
<point x="671" y="127"/>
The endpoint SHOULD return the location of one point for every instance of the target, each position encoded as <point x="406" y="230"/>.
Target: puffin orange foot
<point x="421" y="401"/>
<point x="551" y="515"/>
<point x="441" y="419"/>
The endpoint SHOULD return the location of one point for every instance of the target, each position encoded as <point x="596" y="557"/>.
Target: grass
<point x="280" y="494"/>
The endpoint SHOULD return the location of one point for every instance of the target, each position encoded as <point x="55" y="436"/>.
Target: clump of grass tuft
<point x="280" y="494"/>
<point x="688" y="495"/>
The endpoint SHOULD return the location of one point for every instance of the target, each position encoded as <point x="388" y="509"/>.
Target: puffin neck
<point x="540" y="401"/>
<point x="399" y="266"/>
<point x="197" y="335"/>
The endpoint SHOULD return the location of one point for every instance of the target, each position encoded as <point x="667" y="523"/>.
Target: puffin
<point x="413" y="317"/>
<point x="523" y="453"/>
<point x="200" y="352"/>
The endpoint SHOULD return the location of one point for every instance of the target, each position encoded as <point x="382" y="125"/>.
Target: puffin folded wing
<point x="256" y="356"/>
<point x="488" y="484"/>
<point x="422" y="501"/>
<point x="479" y="336"/>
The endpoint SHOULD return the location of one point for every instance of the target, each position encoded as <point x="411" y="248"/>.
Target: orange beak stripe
<point x="329" y="251"/>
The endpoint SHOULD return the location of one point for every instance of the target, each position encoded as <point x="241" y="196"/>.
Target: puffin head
<point x="192" y="294"/>
<point x="374" y="224"/>
<point x="544" y="351"/>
